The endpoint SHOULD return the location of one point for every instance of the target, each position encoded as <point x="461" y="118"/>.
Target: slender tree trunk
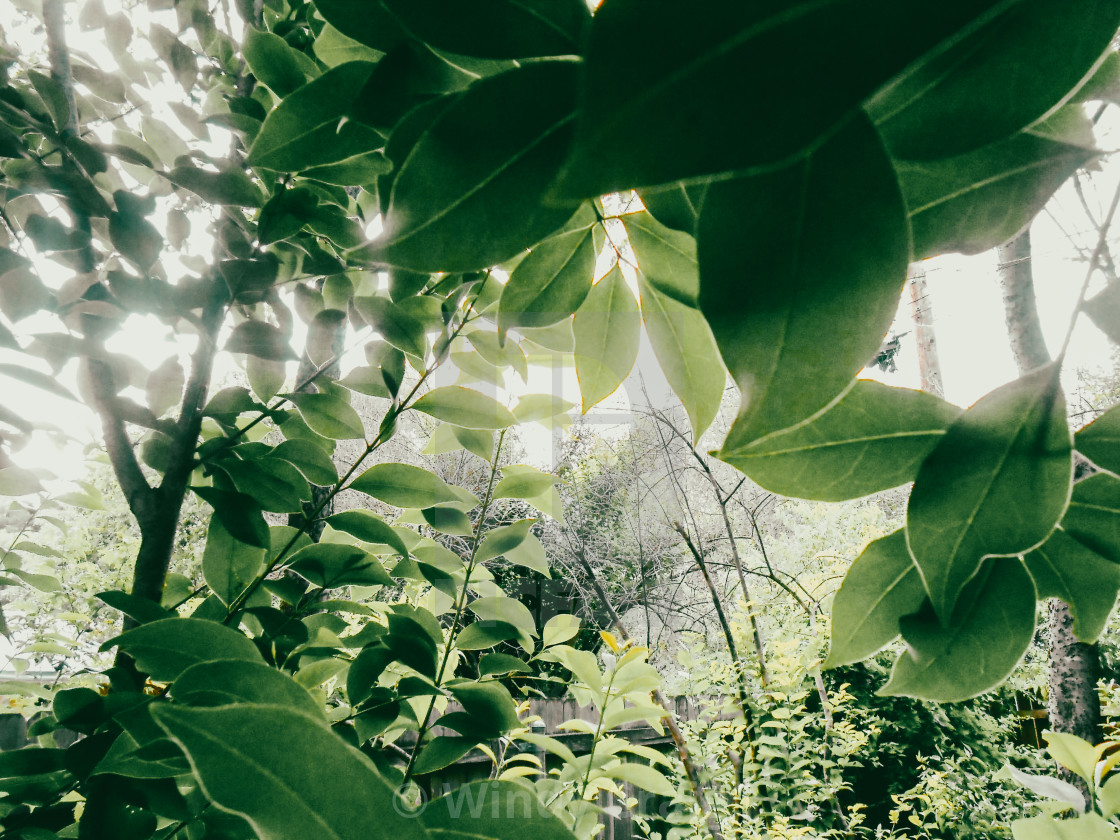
<point x="1074" y="705"/>
<point x="929" y="364"/>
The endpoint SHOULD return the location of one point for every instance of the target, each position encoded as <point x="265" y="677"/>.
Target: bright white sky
<point x="964" y="294"/>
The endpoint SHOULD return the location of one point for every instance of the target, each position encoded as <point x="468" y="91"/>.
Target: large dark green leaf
<point x="1093" y="517"/>
<point x="881" y="587"/>
<point x="687" y="352"/>
<point x="676" y="206"/>
<point x="365" y="21"/>
<point x="239" y="514"/>
<point x="1063" y="567"/>
<point x="551" y="283"/>
<point x="1029" y="59"/>
<point x="404" y="485"/>
<point x="309" y="459"/>
<point x="997" y="483"/>
<point x="607" y="329"/>
<point x="233" y="681"/>
<point x="166" y="648"/>
<point x="231" y="186"/>
<point x="330" y="565"/>
<point x="978" y="200"/>
<point x="671" y="92"/>
<point x="397" y="326"/>
<point x="286" y="773"/>
<point x="800" y="274"/>
<point x="499" y="810"/>
<point x="874" y="438"/>
<point x="469" y="194"/>
<point x="496" y="28"/>
<point x="275" y="484"/>
<point x="991" y="629"/>
<point x="311" y="127"/>
<point x="465" y="407"/>
<point x="229" y="565"/>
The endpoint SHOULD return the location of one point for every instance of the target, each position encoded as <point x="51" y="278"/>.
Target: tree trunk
<point x="929" y="364"/>
<point x="1074" y="705"/>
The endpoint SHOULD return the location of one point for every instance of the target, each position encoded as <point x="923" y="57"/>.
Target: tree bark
<point x="1073" y="706"/>
<point x="921" y="308"/>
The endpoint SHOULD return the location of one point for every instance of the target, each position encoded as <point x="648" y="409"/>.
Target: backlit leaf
<point x="881" y="587"/>
<point x="331" y="565"/>
<point x="1063" y="567"/>
<point x="997" y="483"/>
<point x="800" y="274"/>
<point x="329" y="416"/>
<point x="404" y="485"/>
<point x="465" y="407"/>
<point x="470" y="193"/>
<point x="258" y="338"/>
<point x="166" y="648"/>
<point x="991" y="628"/>
<point x="607" y="328"/>
<point x="874" y="438"/>
<point x="368" y="527"/>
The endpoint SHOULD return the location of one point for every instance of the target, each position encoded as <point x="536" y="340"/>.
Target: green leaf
<point x="530" y="554"/>
<point x="333" y="48"/>
<point x="404" y="485"/>
<point x="997" y="483"/>
<point x="1075" y="754"/>
<point x="166" y="648"/>
<point x="981" y="199"/>
<point x="329" y="416"/>
<point x="645" y="777"/>
<point x="273" y="483"/>
<point x="507" y="610"/>
<point x="676" y="206"/>
<point x="470" y="193"/>
<point x="496" y="28"/>
<point x="484" y="634"/>
<point x="1100" y="440"/>
<point x="551" y="282"/>
<point x="368" y="527"/>
<point x="489" y="703"/>
<point x="281" y="770"/>
<point x="1084" y="827"/>
<point x="525" y="483"/>
<point x="734" y="85"/>
<point x="1093" y="516"/>
<point x="261" y="339"/>
<point x="874" y="438"/>
<point x="239" y="514"/>
<point x="396" y="325"/>
<point x="230" y="186"/>
<point x="666" y="257"/>
<point x="502" y="539"/>
<point x="1064" y="568"/>
<point x="465" y="407"/>
<point x="560" y="628"/>
<point x="502" y="663"/>
<point x="164" y="386"/>
<point x="135" y="606"/>
<point x="448" y="520"/>
<point x="500" y="810"/>
<point x="1104" y="311"/>
<point x="17" y="481"/>
<point x="315" y="464"/>
<point x="226" y="682"/>
<point x="36" y="378"/>
<point x="990" y="630"/>
<point x="1047" y="787"/>
<point x="607" y="329"/>
<point x="368" y="23"/>
<point x="441" y="751"/>
<point x="285" y="214"/>
<point x="331" y="565"/>
<point x="272" y="61"/>
<point x="687" y="352"/>
<point x="800" y="274"/>
<point x="229" y="565"/>
<point x="362" y="168"/>
<point x="136" y="238"/>
<point x="881" y="587"/>
<point x="478" y="441"/>
<point x="311" y="127"/>
<point x="1029" y="59"/>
